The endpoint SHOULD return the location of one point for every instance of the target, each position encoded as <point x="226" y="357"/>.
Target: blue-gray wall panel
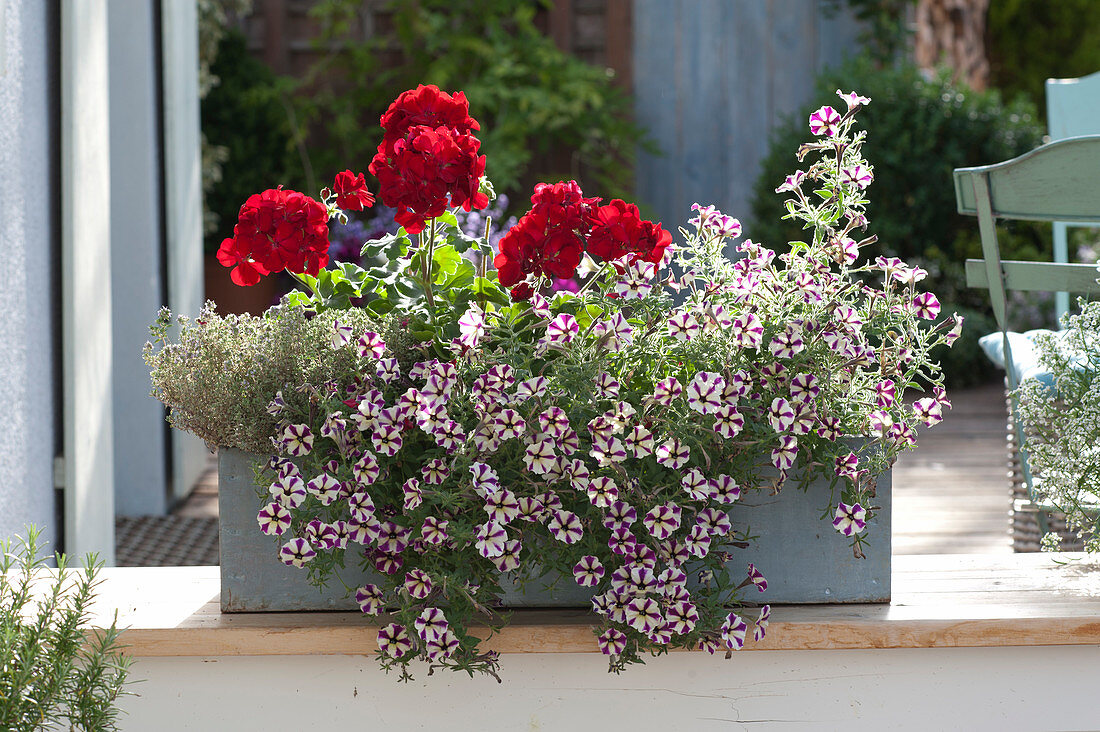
<point x="711" y="79"/>
<point x="27" y="231"/>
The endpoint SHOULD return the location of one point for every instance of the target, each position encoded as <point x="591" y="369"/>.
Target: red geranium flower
<point x="564" y="205"/>
<point x="533" y="247"/>
<point x="351" y="191"/>
<point x="427" y="170"/>
<point x="427" y="106"/>
<point x="618" y="232"/>
<point x="275" y="230"/>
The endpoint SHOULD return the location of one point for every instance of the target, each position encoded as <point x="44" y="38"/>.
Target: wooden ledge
<point x="939" y="601"/>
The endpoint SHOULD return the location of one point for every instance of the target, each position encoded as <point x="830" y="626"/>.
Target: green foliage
<point x="219" y="377"/>
<point x="247" y="116"/>
<point x="1021" y="59"/>
<point x="52" y="668"/>
<point x="922" y="130"/>
<point x="533" y="99"/>
<point x="885" y="25"/>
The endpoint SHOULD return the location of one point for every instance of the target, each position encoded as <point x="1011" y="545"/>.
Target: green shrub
<point x="544" y="114"/>
<point x="52" y="668"/>
<point x="246" y="115"/>
<point x="1021" y="60"/>
<point x="921" y="129"/>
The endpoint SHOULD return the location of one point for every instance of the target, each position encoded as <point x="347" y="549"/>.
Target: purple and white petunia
<point x="602" y="491"/>
<point x="486" y="481"/>
<point x="681" y="617"/>
<point x="747" y="331"/>
<point x="784" y="456"/>
<point x="434" y="531"/>
<point x="565" y="526"/>
<point x="296" y="553"/>
<point x="393" y="538"/>
<point x="326" y="488"/>
<point x="756" y="578"/>
<point x="509" y="558"/>
<point x="273" y="519"/>
<point x="413" y="496"/>
<point x="369" y="598"/>
<point x="612" y="642"/>
<point x="341" y="334"/>
<point x="733" y="632"/>
<point x="853" y="100"/>
<point x="666" y="390"/>
<point x="704" y="393"/>
<point x="643" y="614"/>
<point x="394" y="641"/>
<point x="850" y="520"/>
<point x="683" y="326"/>
<point x="928" y="411"/>
<point x="662" y="520"/>
<point x="472" y="326"/>
<point x="418" y="584"/>
<point x="539" y="457"/>
<point x="728" y="421"/>
<point x="639" y="441"/>
<point x="502" y="506"/>
<point x="926" y="306"/>
<point x="725" y="489"/>
<point x="490" y="539"/>
<point x="371" y="345"/>
<point x="588" y="571"/>
<point x="288" y="490"/>
<point x="562" y="329"/>
<point x="296" y="440"/>
<point x="858" y="175"/>
<point x="388" y="370"/>
<point x="761" y="628"/>
<point x="780" y="415"/>
<point x="825" y="121"/>
<point x="673" y="453"/>
<point x="431" y="625"/>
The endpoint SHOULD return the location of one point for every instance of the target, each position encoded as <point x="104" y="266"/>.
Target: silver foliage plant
<point x="1062" y="425"/>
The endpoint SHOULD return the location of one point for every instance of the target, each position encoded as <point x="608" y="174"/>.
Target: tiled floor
<point x="951" y="496"/>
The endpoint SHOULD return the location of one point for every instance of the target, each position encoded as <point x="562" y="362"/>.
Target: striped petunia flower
<point x="850" y="520"/>
<point x="926" y="306"/>
<point x="387" y="440"/>
<point x="681" y="617"/>
<point x="554" y="422"/>
<point x="588" y="571"/>
<point x="709" y="644"/>
<point x="940" y="394"/>
<point x="704" y="393"/>
<point x="392" y="537"/>
<point x="928" y="411"/>
<point x="733" y="632"/>
<point x="853" y="100"/>
<point x="388" y="370"/>
<point x="296" y="440"/>
<point x="296" y="552"/>
<point x="321" y="535"/>
<point x="435" y="472"/>
<point x="880" y="422"/>
<point x="394" y="641"/>
<point x="418" y="584"/>
<point x="825" y="121"/>
<point x="847" y="466"/>
<point x="662" y="520"/>
<point x="288" y="490"/>
<point x="784" y="456"/>
<point x="412" y="494"/>
<point x="363" y="532"/>
<point x="728" y="421"/>
<point x="341" y="334"/>
<point x="643" y="614"/>
<point x="683" y="326"/>
<point x="756" y="578"/>
<point x="472" y="326"/>
<point x="485" y="478"/>
<point x="371" y="345"/>
<point x="780" y="415"/>
<point x="533" y="388"/>
<point x="434" y="531"/>
<point x="804" y="388"/>
<point x="761" y="628"/>
<point x="714" y="520"/>
<point x="639" y="441"/>
<point x="273" y="519"/>
<point x="612" y="642"/>
<point x="502" y="506"/>
<point x="620" y="515"/>
<point x="530" y="508"/>
<point x="725" y="489"/>
<point x="787" y="344"/>
<point x="431" y="624"/>
<point x="608" y="450"/>
<point x="673" y="453"/>
<point x="490" y="539"/>
<point x="539" y="457"/>
<point x="565" y="526"/>
<point x="602" y="491"/>
<point x="562" y="329"/>
<point x="442" y="647"/>
<point x="509" y="558"/>
<point x="622" y="541"/>
<point x="747" y="331"/>
<point x="858" y="175"/>
<point x="791" y="182"/>
<point x="885" y="392"/>
<point x="325" y="487"/>
<point x="369" y="598"/>
<point x="697" y="485"/>
<point x="607" y="386"/>
<point x="666" y="390"/>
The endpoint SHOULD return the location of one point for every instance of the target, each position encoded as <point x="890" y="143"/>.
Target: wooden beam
<point x="1037" y="276"/>
<point x="561" y="24"/>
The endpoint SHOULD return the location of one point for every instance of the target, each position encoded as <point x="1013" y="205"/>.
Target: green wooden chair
<point x="1059" y="181"/>
<point x="1073" y="109"/>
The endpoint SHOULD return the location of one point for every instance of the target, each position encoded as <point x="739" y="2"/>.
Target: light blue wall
<point x="27" y="236"/>
<point x="711" y="79"/>
<point x="139" y="427"/>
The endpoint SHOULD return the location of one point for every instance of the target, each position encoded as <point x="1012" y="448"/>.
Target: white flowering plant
<point x="599" y="437"/>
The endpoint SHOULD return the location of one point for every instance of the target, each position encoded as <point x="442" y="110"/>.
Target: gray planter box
<point x="804" y="559"/>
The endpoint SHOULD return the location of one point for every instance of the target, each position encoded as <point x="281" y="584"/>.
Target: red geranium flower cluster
<point x="276" y="229"/>
<point x="351" y="191"/>
<point x="619" y="232"/>
<point x="428" y="158"/>
<point x="550" y="240"/>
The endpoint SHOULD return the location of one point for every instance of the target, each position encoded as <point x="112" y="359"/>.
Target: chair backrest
<point x="1073" y="109"/>
<point x="1059" y="181"/>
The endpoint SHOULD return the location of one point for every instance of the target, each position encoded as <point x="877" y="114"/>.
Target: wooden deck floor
<point x="951" y="493"/>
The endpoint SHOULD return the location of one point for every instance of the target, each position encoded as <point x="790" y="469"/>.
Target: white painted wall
<point x="1028" y="688"/>
<point x="139" y="426"/>
<point x="28" y="236"/>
